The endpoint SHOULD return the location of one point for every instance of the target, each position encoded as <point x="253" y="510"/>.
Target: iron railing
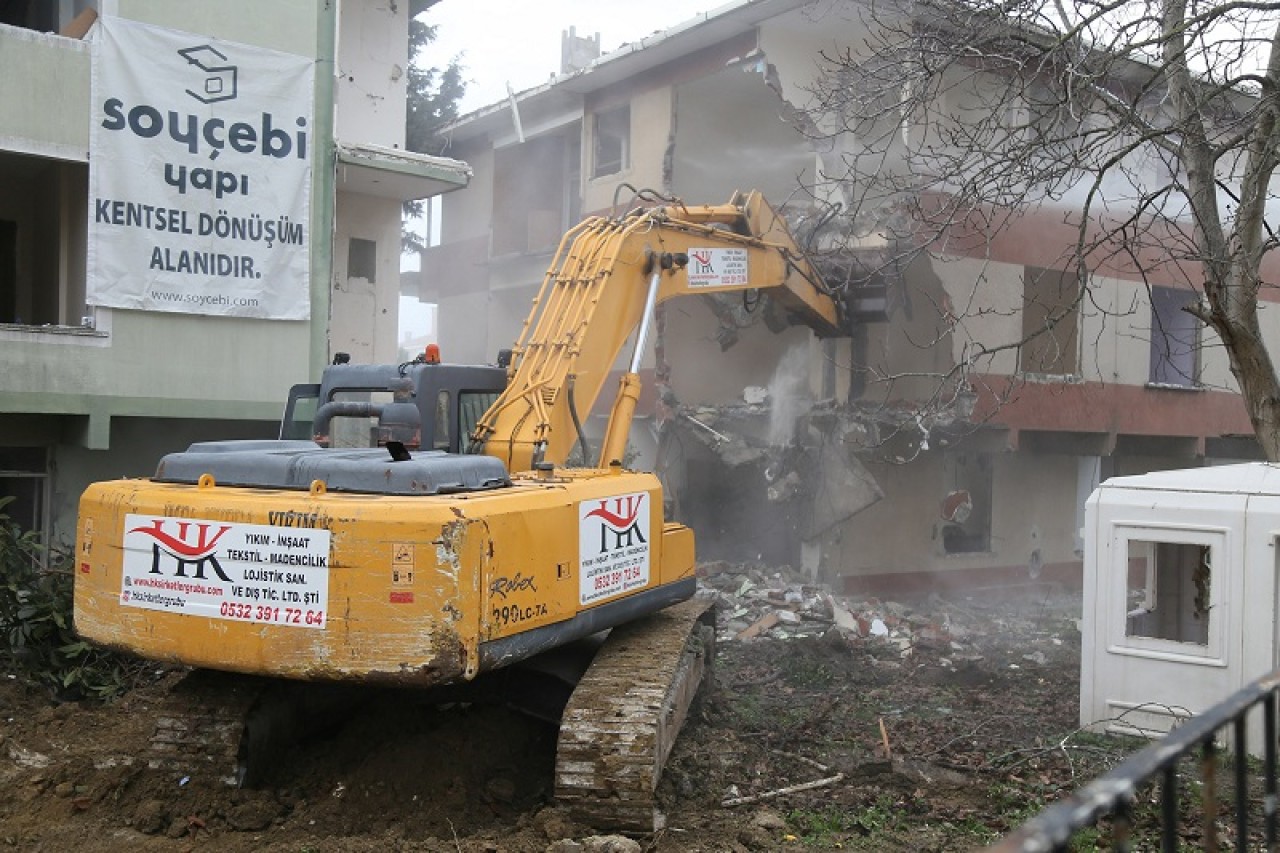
<point x="1114" y="794"/>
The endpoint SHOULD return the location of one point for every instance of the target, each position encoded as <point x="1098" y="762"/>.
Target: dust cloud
<point x="789" y="396"/>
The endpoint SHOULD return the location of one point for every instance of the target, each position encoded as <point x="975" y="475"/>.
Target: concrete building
<point x="94" y="389"/>
<point x="992" y="492"/>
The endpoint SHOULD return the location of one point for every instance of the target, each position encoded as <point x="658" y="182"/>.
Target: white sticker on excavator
<point x="717" y="267"/>
<point x="223" y="570"/>
<point x="613" y="546"/>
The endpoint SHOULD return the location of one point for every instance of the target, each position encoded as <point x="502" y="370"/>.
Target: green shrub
<point x="36" y="591"/>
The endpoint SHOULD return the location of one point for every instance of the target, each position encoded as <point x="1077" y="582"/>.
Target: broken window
<point x="1168" y="591"/>
<point x="536" y="197"/>
<point x="1050" y="327"/>
<point x="1174" y="335"/>
<point x="966" y="505"/>
<point x="612" y="134"/>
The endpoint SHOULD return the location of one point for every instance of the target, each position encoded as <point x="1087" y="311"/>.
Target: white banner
<point x="199" y="175"/>
<point x="226" y="570"/>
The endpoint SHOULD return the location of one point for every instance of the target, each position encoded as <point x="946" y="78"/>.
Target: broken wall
<point x="702" y="373"/>
<point x="907" y="356"/>
<point x="1031" y="525"/>
<point x="731" y="134"/>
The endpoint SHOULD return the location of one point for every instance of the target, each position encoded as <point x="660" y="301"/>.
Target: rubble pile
<point x="957" y="631"/>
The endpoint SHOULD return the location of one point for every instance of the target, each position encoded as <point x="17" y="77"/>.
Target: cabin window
<point x="1169" y="591"/>
<point x="441" y="439"/>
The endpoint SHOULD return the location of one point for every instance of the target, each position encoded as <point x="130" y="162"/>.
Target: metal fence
<point x="1114" y="794"/>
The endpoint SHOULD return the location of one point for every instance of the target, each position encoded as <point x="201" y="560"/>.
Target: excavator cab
<point x="421" y="404"/>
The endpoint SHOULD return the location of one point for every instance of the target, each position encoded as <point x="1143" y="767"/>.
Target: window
<point x="300" y="412"/>
<point x="8" y="271"/>
<point x="966" y="507"/>
<point x="441" y="439"/>
<point x="43" y="233"/>
<point x="612" y="133"/>
<point x="24" y="488"/>
<point x="1168" y="591"/>
<point x="46" y="17"/>
<point x="1050" y="322"/>
<point x="1174" y="335"/>
<point x="471" y="406"/>
<point x="362" y="259"/>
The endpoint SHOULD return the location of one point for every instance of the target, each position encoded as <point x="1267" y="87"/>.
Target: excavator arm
<point x="606" y="278"/>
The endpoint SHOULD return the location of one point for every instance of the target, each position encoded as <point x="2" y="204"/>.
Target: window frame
<point x="603" y="164"/>
<point x="1036" y="284"/>
<point x="1215" y="651"/>
<point x="1164" y="367"/>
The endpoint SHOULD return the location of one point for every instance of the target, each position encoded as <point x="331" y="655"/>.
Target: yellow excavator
<point x="416" y="524"/>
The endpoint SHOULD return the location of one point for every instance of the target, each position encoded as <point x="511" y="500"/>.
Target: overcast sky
<point x="518" y="41"/>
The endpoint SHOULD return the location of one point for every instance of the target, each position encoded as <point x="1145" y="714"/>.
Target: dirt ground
<point x="952" y="721"/>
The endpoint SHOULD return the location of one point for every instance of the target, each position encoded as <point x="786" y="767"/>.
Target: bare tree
<point x="1152" y="127"/>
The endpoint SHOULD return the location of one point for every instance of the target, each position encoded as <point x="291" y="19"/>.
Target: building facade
<point x="993" y="490"/>
<point x="98" y="386"/>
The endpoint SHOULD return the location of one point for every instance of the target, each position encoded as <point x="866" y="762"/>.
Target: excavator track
<point x="623" y="718"/>
<point x="201" y="723"/>
<point x="238" y="727"/>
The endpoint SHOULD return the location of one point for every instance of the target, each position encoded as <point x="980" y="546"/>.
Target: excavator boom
<point x="607" y="275"/>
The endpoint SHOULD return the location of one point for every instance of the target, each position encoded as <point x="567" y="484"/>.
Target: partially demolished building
<point x="779" y="447"/>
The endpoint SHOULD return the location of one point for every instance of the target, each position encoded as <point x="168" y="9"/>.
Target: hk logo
<point x="620" y="522"/>
<point x="702" y="262"/>
<point x="191" y="544"/>
<point x="219" y="83"/>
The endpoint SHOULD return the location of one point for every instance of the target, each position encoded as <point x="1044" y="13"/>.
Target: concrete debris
<point x="610" y="844"/>
<point x="755" y="629"/>
<point x="754" y="601"/>
<point x="24" y="757"/>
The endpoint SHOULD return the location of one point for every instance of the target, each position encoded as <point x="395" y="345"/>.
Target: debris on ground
<point x="782" y="604"/>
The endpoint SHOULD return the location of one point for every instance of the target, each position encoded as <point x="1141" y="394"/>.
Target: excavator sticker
<point x="613" y="546"/>
<point x="718" y="267"/>
<point x="222" y="570"/>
